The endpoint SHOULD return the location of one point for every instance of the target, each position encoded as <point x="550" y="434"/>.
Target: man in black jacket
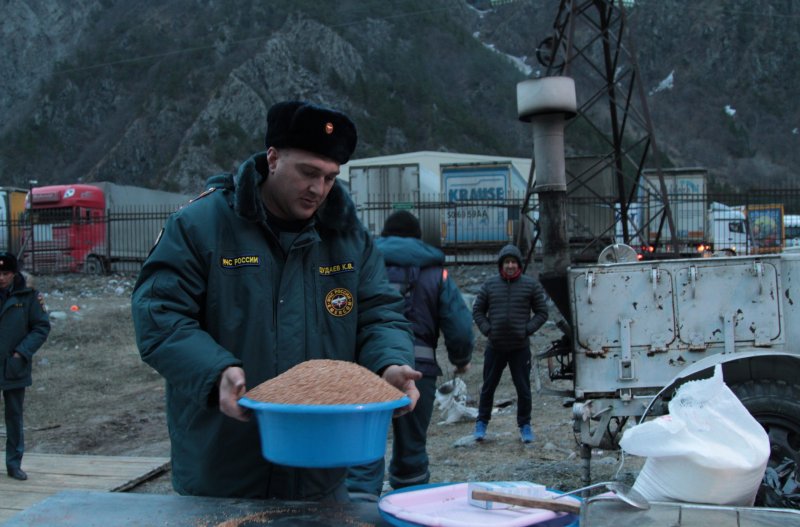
<point x="502" y="312"/>
<point x="24" y="326"/>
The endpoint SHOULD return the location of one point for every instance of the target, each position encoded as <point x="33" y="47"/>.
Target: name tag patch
<point x="233" y="262"/>
<point x="328" y="270"/>
<point x="339" y="302"/>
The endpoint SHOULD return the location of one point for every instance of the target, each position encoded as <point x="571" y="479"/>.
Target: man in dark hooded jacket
<point x="502" y="312"/>
<point x="433" y="305"/>
<point x="265" y="270"/>
<point x="24" y="326"/>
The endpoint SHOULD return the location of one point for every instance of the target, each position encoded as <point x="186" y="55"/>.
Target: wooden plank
<point x="43" y="482"/>
<point x="133" y="481"/>
<point x="17" y="500"/>
<point x="49" y="474"/>
<point x="85" y="464"/>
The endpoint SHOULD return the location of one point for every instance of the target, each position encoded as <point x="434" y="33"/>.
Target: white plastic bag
<point x="709" y="449"/>
<point x="451" y="399"/>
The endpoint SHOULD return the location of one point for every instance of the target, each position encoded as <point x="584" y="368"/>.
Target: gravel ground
<point x="93" y="395"/>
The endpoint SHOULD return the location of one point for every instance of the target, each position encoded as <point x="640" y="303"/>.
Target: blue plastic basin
<point x="323" y="436"/>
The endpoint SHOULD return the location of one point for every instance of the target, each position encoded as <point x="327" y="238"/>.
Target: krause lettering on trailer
<point x="249" y="260"/>
<point x="327" y="270"/>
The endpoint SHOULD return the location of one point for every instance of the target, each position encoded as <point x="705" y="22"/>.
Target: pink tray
<point x="447" y="506"/>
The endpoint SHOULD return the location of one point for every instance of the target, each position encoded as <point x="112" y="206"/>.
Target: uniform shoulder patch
<point x="339" y="302"/>
<point x="40" y="297"/>
<point x="203" y="194"/>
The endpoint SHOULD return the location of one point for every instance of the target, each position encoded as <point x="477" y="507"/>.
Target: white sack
<point x="709" y="449"/>
<point x="451" y="399"/>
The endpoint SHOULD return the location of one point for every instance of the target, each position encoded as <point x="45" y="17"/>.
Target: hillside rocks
<point x="243" y="100"/>
<point x="35" y="36"/>
<point x="164" y="94"/>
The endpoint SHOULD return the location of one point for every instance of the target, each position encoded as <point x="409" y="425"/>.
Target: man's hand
<point x="231" y="389"/>
<point x="402" y="378"/>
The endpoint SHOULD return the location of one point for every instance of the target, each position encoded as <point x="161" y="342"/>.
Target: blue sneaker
<point x="526" y="434"/>
<point x="480" y="430"/>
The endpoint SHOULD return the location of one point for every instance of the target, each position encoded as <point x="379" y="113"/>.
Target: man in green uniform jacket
<point x="266" y="269"/>
<point x="24" y="326"/>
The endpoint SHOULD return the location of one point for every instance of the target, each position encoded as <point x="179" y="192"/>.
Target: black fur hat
<point x="402" y="223"/>
<point x="299" y="124"/>
<point x="8" y="262"/>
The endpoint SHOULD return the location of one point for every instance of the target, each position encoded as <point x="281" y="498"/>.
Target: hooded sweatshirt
<point x="509" y="310"/>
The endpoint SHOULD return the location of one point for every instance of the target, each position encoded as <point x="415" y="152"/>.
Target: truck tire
<point x="94" y="265"/>
<point x="775" y="405"/>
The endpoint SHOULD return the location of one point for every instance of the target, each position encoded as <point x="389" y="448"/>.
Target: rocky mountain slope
<point x="163" y="94"/>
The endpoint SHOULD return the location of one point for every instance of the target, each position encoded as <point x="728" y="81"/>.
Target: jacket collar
<point x="17" y="286"/>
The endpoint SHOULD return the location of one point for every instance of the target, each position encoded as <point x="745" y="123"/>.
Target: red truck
<point x="94" y="228"/>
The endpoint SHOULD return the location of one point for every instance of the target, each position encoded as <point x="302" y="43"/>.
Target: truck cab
<point x="727" y="230"/>
<point x="791" y="230"/>
<point x="65" y="229"/>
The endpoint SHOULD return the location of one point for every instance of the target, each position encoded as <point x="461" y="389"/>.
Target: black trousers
<point x="409" y="462"/>
<point x="519" y="364"/>
<point x="15" y="439"/>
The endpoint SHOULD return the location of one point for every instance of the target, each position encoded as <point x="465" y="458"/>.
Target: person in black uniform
<point x="24" y="326"/>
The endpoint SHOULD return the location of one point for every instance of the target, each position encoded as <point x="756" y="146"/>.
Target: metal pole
<point x="32" y="183"/>
<point x="547" y="103"/>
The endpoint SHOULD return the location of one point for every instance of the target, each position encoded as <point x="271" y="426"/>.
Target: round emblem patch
<point x="339" y="302"/>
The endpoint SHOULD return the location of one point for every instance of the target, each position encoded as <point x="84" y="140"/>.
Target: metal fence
<point x="758" y="221"/>
<point x="64" y="242"/>
<point x="755" y="222"/>
<point x="468" y="231"/>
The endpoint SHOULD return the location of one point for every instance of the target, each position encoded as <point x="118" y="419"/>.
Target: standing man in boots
<point x="509" y="308"/>
<point x="434" y="306"/>
<point x="24" y="326"/>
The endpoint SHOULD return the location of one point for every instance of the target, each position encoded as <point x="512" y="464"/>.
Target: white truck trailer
<point x="484" y="202"/>
<point x="378" y="190"/>
<point x="12" y="206"/>
<point x="700" y="227"/>
<point x="791" y="230"/>
<point x="463" y="204"/>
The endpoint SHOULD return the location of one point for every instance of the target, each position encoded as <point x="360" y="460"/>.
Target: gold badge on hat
<point x="329" y="128"/>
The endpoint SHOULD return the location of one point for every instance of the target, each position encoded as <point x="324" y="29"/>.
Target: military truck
<point x="636" y="330"/>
